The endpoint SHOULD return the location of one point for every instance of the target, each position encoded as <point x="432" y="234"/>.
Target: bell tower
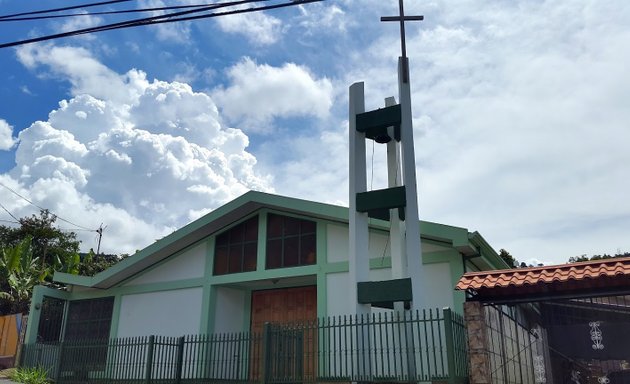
<point x="398" y="203"/>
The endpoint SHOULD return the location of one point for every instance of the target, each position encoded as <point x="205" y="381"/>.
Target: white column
<point x="359" y="260"/>
<point x="394" y="179"/>
<point x="413" y="248"/>
<point x="359" y="263"/>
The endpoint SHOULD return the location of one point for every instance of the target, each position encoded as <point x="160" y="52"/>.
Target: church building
<point x="259" y="258"/>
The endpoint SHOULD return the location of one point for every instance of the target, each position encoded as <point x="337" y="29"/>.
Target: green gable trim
<point x="113" y="328"/>
<point x="322" y="260"/>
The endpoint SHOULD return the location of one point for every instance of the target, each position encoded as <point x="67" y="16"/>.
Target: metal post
<point x="266" y="353"/>
<point x="149" y="360"/>
<point x="450" y="345"/>
<point x="58" y="365"/>
<point x="180" y="359"/>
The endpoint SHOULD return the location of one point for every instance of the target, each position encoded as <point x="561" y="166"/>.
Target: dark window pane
<point x="291" y="251"/>
<point x="251" y="229"/>
<point x="230" y="247"/>
<point x="274" y="226"/>
<point x="223" y="239"/>
<point x="236" y="258"/>
<point x="308" y="248"/>
<point x="297" y="241"/>
<point x="307" y="227"/>
<point x="250" y="251"/>
<point x="221" y="261"/>
<point x="274" y="253"/>
<point x="236" y="233"/>
<point x="291" y="226"/>
<point x="89" y="319"/>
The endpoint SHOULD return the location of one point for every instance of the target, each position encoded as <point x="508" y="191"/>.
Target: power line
<point x="137" y="10"/>
<point x="125" y="24"/>
<point x="23" y="198"/>
<point x="9" y="212"/>
<point x="42" y="209"/>
<point x="76" y="229"/>
<point x="64" y="8"/>
<point x="166" y="18"/>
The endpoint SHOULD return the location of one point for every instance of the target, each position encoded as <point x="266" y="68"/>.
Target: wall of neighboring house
<point x="180" y="295"/>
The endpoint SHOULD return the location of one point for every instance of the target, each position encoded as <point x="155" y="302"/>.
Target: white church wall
<point x="378" y="245"/>
<point x="338" y="301"/>
<point x="229" y="312"/>
<point x="438" y="277"/>
<point x="188" y="265"/>
<point x="337" y="243"/>
<point x="166" y="313"/>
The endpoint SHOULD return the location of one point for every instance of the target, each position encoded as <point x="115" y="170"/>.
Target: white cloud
<point x="258" y="27"/>
<point x="85" y="73"/>
<point x="323" y="18"/>
<point x="520" y="113"/>
<point x="520" y="127"/>
<point x="310" y="165"/>
<point x="144" y="162"/>
<point x="81" y="21"/>
<point x="258" y="93"/>
<point x="6" y="136"/>
<point x="167" y="32"/>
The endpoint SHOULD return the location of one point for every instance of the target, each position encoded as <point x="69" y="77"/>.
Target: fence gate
<point x="512" y="346"/>
<point x="286" y="354"/>
<point x="577" y="341"/>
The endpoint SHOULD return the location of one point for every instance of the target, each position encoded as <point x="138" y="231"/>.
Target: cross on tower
<point x="402" y="18"/>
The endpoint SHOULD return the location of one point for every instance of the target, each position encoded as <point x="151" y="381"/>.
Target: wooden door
<point x="282" y="307"/>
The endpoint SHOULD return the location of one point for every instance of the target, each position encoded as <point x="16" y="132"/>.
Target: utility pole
<point x="100" y="236"/>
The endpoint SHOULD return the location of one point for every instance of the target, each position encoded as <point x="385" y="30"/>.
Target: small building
<point x="566" y="323"/>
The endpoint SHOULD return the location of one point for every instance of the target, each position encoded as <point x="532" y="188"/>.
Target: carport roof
<point x="526" y="284"/>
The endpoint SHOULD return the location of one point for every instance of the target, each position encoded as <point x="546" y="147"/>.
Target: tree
<point x="92" y="263"/>
<point x="584" y="257"/>
<point x="31" y="253"/>
<point x="53" y="246"/>
<point x="21" y="272"/>
<point x="509" y="259"/>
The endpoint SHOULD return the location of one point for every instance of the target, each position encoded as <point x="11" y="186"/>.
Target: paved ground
<point x="6" y="381"/>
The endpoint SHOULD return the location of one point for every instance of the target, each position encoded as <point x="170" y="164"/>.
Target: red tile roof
<point x="613" y="272"/>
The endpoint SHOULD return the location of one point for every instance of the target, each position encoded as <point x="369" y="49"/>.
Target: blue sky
<point x="520" y="110"/>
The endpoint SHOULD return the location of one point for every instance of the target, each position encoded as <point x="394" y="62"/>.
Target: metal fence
<point x="420" y="346"/>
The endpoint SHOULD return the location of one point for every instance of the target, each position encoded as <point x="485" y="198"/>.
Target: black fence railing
<point x="421" y="346"/>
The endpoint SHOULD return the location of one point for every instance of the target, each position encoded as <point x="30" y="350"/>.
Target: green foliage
<point x="575" y="259"/>
<point x="21" y="272"/>
<point x="509" y="259"/>
<point x="31" y="253"/>
<point x="91" y="263"/>
<point x="35" y="375"/>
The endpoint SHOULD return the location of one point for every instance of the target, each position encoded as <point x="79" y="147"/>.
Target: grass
<point x="35" y="375"/>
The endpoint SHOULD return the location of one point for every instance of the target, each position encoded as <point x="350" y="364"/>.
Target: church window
<point x="291" y="242"/>
<point x="89" y="319"/>
<point x="236" y="249"/>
